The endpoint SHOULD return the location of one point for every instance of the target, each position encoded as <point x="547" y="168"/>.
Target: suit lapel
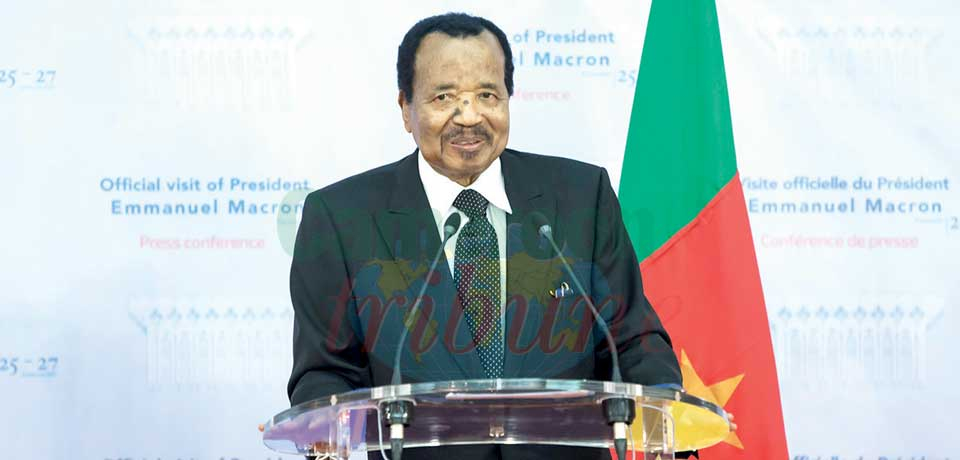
<point x="527" y="258"/>
<point x="408" y="229"/>
<point x="406" y="222"/>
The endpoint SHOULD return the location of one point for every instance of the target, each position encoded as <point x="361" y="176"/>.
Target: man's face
<point x="459" y="112"/>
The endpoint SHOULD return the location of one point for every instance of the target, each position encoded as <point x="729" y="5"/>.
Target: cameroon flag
<point x="684" y="208"/>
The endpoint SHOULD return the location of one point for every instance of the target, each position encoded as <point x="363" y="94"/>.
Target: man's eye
<point x="442" y="97"/>
<point x="487" y="95"/>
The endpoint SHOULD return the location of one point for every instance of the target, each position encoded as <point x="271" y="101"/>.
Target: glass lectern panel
<point x="511" y="411"/>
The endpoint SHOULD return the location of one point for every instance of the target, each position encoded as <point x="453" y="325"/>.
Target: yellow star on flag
<point x="717" y="393"/>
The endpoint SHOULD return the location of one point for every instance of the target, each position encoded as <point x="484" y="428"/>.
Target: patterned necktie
<point x="477" y="274"/>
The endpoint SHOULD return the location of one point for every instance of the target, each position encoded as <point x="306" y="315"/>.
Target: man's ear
<point x="405" y="111"/>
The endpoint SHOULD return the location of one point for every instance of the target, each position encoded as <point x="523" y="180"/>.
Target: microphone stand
<point x="399" y="411"/>
<point x="619" y="412"/>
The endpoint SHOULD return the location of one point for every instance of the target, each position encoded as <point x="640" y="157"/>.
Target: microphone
<point x="450" y="228"/>
<point x="619" y="412"/>
<point x="399" y="411"/>
<point x="546" y="231"/>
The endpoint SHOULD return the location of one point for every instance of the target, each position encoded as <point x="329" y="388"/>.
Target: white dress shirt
<point x="442" y="191"/>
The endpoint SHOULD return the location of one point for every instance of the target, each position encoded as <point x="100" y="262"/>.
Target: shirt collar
<point x="441" y="191"/>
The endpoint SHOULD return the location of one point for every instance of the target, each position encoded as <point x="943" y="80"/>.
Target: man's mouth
<point x="467" y="143"/>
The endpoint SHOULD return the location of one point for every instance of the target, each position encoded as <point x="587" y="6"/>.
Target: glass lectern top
<point x="508" y="411"/>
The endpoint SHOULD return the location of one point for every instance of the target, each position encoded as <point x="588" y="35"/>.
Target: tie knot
<point x="471" y="203"/>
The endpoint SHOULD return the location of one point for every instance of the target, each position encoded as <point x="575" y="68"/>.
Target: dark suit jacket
<point x="361" y="257"/>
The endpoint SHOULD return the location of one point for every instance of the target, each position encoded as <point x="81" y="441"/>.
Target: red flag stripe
<point x="705" y="284"/>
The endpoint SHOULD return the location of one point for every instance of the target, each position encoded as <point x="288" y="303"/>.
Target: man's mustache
<point x="469" y="133"/>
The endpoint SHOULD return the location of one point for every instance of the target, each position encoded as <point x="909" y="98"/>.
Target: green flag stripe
<point x="679" y="149"/>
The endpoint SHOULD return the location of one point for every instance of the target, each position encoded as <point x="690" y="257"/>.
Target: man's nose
<point x="467" y="113"/>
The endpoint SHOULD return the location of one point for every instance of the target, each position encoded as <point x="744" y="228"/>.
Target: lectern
<point x="503" y="411"/>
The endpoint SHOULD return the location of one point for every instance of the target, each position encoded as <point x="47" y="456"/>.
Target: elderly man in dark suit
<point x="498" y="305"/>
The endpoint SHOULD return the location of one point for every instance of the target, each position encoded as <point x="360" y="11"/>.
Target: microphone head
<point x="451" y="225"/>
<point x="542" y="224"/>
